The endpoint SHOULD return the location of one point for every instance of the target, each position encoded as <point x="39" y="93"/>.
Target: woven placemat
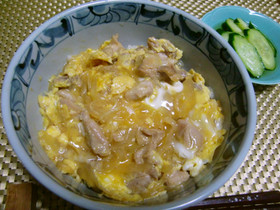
<point x="259" y="172"/>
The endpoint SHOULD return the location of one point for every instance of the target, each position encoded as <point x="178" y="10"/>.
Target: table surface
<point x="259" y="172"/>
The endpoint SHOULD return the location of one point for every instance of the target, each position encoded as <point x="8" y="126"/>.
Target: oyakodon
<point x="130" y="121"/>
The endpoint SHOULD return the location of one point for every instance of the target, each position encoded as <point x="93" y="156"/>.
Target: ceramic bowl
<point x="265" y="24"/>
<point x="46" y="50"/>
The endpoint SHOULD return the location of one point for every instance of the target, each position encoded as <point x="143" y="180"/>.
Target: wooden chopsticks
<point x="19" y="197"/>
<point x="260" y="200"/>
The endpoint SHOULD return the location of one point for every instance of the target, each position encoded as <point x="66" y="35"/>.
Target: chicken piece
<point x="149" y="139"/>
<point x="140" y="91"/>
<point x="174" y="73"/>
<point x="66" y="94"/>
<point x="71" y="105"/>
<point x="113" y="46"/>
<point x="61" y="81"/>
<point x="153" y="172"/>
<point x="159" y="65"/>
<point x="150" y="65"/>
<point x="139" y="155"/>
<point x="96" y="139"/>
<point x="140" y="183"/>
<point x="69" y="100"/>
<point x="175" y="178"/>
<point x="141" y="138"/>
<point x="164" y="46"/>
<point x="146" y="155"/>
<point x="191" y="136"/>
<point x="156" y="136"/>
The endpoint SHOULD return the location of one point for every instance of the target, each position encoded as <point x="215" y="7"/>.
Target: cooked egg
<point x="194" y="166"/>
<point x="156" y="100"/>
<point x="114" y="186"/>
<point x="112" y="121"/>
<point x="183" y="151"/>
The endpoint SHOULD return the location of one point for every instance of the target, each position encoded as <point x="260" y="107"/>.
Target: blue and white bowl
<point x="45" y="51"/>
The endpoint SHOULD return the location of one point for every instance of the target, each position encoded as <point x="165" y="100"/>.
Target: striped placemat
<point x="259" y="172"/>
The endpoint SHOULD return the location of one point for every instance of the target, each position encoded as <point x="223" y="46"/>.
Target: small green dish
<point x="264" y="23"/>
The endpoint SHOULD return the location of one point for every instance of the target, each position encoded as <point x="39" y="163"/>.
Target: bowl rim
<point x="247" y="12"/>
<point x="76" y="199"/>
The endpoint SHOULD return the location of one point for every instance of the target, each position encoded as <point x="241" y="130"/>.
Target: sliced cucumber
<point x="248" y="54"/>
<point x="229" y="25"/>
<point x="272" y="46"/>
<point x="263" y="46"/>
<point x="225" y="35"/>
<point x="220" y="31"/>
<point x="241" y="24"/>
<point x="255" y="50"/>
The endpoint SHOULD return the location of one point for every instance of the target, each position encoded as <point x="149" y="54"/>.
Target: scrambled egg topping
<point x="130" y="122"/>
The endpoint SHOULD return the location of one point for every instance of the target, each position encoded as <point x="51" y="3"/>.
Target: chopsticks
<point x="260" y="200"/>
<point x="19" y="196"/>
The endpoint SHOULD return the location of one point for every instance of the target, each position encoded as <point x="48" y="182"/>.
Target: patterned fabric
<point x="259" y="172"/>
